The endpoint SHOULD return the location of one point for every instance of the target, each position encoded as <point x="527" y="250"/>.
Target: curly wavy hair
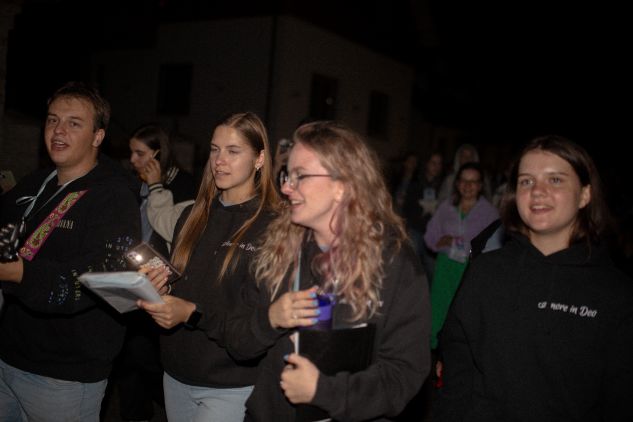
<point x="362" y="224"/>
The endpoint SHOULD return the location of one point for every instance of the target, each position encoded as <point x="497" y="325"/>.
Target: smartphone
<point x="156" y="155"/>
<point x="143" y="258"/>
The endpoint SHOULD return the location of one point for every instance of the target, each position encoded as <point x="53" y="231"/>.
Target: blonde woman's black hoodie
<point x="401" y="350"/>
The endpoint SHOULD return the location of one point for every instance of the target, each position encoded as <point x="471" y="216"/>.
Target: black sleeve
<point x="245" y="332"/>
<point x="402" y="355"/>
<point x="51" y="286"/>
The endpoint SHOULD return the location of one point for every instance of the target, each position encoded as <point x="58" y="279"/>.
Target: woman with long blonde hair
<point x="214" y="245"/>
<point x="338" y="234"/>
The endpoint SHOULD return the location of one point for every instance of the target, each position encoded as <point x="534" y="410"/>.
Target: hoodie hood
<point x="106" y="172"/>
<point x="578" y="254"/>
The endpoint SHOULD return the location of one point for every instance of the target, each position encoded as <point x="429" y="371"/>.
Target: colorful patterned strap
<point x="43" y="231"/>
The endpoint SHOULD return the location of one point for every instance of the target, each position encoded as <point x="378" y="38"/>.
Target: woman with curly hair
<point x="338" y="234"/>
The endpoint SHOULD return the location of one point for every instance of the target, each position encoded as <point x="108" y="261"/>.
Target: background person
<point x="466" y="153"/>
<point x="153" y="161"/>
<point x="404" y="179"/>
<point x="420" y="202"/>
<point x="449" y="232"/>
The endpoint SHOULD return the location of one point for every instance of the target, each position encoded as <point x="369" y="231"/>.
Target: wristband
<point x="194" y="319"/>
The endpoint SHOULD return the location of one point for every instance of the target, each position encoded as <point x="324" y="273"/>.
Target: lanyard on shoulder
<point x="31" y="200"/>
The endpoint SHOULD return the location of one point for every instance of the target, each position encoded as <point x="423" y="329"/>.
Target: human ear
<point x="98" y="138"/>
<point x="585" y="196"/>
<point x="259" y="162"/>
<point x="339" y="191"/>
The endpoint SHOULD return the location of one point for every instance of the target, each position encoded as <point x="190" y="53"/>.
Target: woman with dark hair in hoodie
<point x="542" y="329"/>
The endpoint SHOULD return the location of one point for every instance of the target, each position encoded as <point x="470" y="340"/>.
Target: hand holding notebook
<point x="121" y="289"/>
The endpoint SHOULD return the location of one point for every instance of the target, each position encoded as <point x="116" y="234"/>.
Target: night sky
<point x="501" y="71"/>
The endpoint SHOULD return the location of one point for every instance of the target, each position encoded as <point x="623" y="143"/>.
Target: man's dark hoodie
<point x="50" y="324"/>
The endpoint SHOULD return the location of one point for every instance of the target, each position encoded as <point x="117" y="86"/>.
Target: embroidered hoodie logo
<point x="248" y="247"/>
<point x="582" y="310"/>
<point x="66" y="224"/>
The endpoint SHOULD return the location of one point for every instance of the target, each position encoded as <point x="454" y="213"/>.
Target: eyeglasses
<point x="294" y="179"/>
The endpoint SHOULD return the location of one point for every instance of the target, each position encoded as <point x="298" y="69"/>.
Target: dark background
<point x="502" y="72"/>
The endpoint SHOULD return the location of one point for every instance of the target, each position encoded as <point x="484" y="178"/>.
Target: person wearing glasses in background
<point x="449" y="232"/>
<point x="214" y="244"/>
<point x="338" y="234"/>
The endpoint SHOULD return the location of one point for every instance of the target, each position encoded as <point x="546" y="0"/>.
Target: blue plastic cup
<point x="326" y="304"/>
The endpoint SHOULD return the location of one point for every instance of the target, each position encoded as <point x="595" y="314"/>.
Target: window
<point x="174" y="88"/>
<point x="378" y="118"/>
<point x="323" y="97"/>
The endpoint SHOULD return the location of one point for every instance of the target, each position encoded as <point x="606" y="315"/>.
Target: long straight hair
<point x="251" y="128"/>
<point x="363" y="225"/>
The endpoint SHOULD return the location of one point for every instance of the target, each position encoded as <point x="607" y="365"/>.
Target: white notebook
<point x="121" y="289"/>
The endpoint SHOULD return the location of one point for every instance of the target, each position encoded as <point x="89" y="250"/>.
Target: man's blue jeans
<point x="34" y="398"/>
